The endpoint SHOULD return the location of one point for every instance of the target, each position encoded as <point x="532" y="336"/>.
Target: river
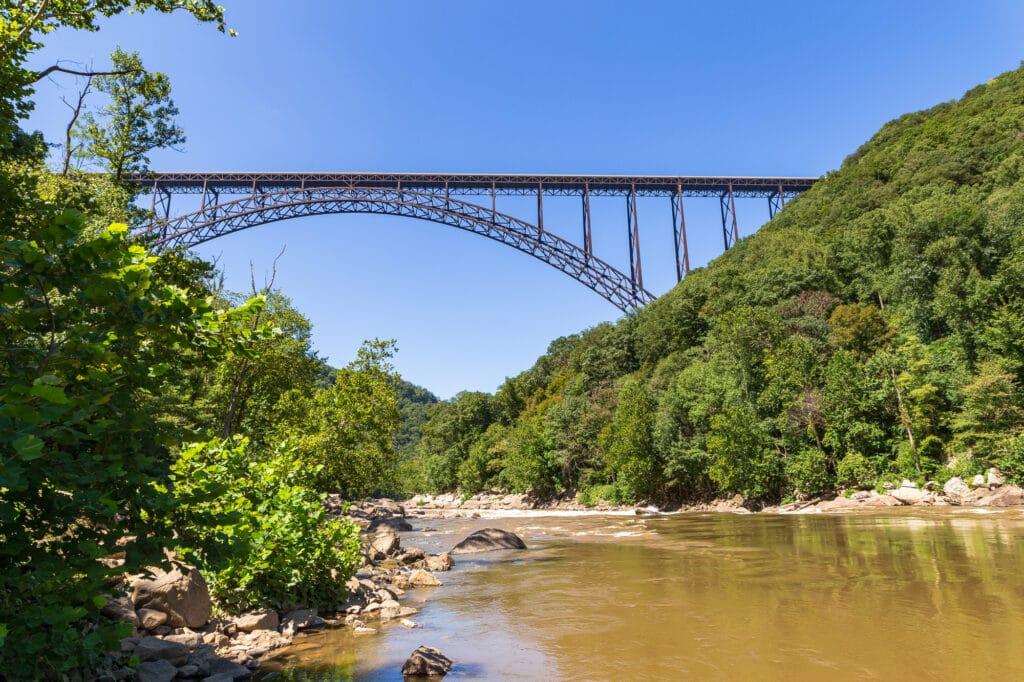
<point x="912" y="593"/>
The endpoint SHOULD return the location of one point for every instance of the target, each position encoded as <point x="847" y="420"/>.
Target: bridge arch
<point x="210" y="222"/>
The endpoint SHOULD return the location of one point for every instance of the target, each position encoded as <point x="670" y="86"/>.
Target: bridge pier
<point x="679" y="235"/>
<point x="588" y="241"/>
<point x="636" y="274"/>
<point x="730" y="233"/>
<point x="776" y="202"/>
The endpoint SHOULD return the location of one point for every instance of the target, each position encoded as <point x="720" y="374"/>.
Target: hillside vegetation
<point x="873" y="330"/>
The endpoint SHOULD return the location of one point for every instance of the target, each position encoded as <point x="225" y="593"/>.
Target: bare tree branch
<point x="76" y="111"/>
<point x="57" y="68"/>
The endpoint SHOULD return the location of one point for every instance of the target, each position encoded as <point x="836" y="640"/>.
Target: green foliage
<point x="87" y="330"/>
<point x="615" y="494"/>
<point x="855" y="471"/>
<point x="808" y="473"/>
<point x="873" y="327"/>
<point x="257" y="530"/>
<point x="343" y="434"/>
<point x="137" y="120"/>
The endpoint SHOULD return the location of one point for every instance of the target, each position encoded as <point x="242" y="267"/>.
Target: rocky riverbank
<point x="177" y="637"/>
<point x="987" y="490"/>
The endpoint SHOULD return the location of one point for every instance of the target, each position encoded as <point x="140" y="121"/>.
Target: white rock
<point x="995" y="478"/>
<point x="978" y="482"/>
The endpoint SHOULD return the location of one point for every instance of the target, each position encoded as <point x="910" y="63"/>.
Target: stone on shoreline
<point x="427" y="661"/>
<point x="487" y="540"/>
<point x="180" y="593"/>
<point x="421" y="578"/>
<point x="441" y="562"/>
<point x="264" y="619"/>
<point x="156" y="671"/>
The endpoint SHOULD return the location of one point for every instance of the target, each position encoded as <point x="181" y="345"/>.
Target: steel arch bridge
<point x="261" y="198"/>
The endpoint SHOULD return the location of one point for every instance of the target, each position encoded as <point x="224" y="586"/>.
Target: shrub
<point x="854" y="470"/>
<point x="807" y="471"/>
<point x="1009" y="456"/>
<point x="612" y="493"/>
<point x="261" y="535"/>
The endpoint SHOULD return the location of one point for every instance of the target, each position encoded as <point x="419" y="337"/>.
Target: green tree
<point x="344" y="433"/>
<point x="138" y="119"/>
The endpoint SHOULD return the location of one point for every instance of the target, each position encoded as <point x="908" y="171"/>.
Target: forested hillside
<point x="873" y="330"/>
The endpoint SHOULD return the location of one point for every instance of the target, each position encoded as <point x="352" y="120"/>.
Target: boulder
<point x="390" y="610"/>
<point x="421" y="578"/>
<point x="156" y="649"/>
<point x="363" y="630"/>
<point x="390" y="506"/>
<point x="386" y="542"/>
<point x="120" y="609"/>
<point x="395" y="523"/>
<point x="907" y="495"/>
<point x="219" y="677"/>
<point x="156" y="671"/>
<point x="441" y="562"/>
<point x="264" y="619"/>
<point x="427" y="661"/>
<point x="411" y="555"/>
<point x="489" y="539"/>
<point x="180" y="593"/>
<point x="151" y="619"/>
<point x="907" y="483"/>
<point x="995" y="478"/>
<point x="233" y="671"/>
<point x="1005" y="496"/>
<point x="978" y="482"/>
<point x="303" y="619"/>
<point x="955" y="488"/>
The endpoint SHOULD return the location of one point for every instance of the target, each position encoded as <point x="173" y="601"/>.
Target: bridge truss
<point x="230" y="202"/>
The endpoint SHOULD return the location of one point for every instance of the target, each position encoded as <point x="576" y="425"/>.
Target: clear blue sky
<point x="776" y="88"/>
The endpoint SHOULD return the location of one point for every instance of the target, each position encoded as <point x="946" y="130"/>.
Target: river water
<point x="897" y="594"/>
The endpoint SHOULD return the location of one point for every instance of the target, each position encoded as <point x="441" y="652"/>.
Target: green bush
<point x="87" y="328"/>
<point x="855" y="470"/>
<point x="1009" y="456"/>
<point x="262" y="537"/>
<point x="807" y="472"/>
<point x="965" y="468"/>
<point x="612" y="493"/>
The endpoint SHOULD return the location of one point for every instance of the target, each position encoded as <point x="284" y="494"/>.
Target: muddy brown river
<point x="907" y="594"/>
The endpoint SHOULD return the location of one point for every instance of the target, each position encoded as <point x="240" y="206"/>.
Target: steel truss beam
<point x="469" y="184"/>
<point x="210" y="222"/>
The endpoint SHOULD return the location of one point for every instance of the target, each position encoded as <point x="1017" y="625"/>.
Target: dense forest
<point x="873" y="331"/>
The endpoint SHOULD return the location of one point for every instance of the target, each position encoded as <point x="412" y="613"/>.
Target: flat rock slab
<point x="488" y="540"/>
<point x="156" y="671"/>
<point x="427" y="661"/>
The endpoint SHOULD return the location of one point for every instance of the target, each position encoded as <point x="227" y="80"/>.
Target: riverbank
<point x="983" y="491"/>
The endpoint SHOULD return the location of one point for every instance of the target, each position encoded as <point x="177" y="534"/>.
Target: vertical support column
<point x="540" y="206"/>
<point x="152" y="205"/>
<point x="447" y="197"/>
<point x="679" y="234"/>
<point x="494" y="200"/>
<point x="776" y="202"/>
<point x="588" y="242"/>
<point x="636" y="274"/>
<point x="728" y="206"/>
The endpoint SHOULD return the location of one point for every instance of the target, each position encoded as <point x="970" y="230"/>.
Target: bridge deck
<point x="476" y="183"/>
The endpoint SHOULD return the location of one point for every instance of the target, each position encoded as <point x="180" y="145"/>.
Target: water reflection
<point x="916" y="594"/>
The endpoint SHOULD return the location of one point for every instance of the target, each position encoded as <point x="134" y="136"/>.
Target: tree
<point x="138" y="119"/>
<point x="344" y="433"/>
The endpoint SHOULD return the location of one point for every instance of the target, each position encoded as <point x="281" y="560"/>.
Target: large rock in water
<point x="181" y="593"/>
<point x="487" y="540"/>
<point x="427" y="661"/>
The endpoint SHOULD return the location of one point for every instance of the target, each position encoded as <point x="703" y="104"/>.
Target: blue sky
<point x="781" y="88"/>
